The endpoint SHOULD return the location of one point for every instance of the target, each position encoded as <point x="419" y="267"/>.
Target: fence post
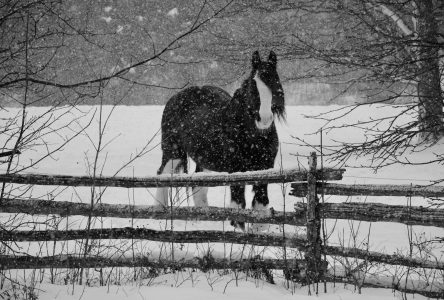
<point x="313" y="254"/>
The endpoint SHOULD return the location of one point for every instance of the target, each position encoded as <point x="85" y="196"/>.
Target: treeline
<point x="81" y="52"/>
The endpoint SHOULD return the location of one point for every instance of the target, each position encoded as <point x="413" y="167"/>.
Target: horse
<point x="223" y="133"/>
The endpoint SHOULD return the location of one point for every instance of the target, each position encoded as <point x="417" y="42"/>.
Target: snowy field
<point x="225" y="288"/>
<point x="128" y="131"/>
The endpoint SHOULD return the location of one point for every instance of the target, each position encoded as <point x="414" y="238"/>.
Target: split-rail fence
<point x="307" y="183"/>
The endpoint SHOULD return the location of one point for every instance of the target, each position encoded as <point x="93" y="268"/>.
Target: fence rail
<point x="208" y="263"/>
<point x="299" y="189"/>
<point x="392" y="283"/>
<point x="194" y="236"/>
<point x="62" y="208"/>
<point x="370" y="212"/>
<point x="212" y="236"/>
<point x="377" y="212"/>
<point x="199" y="179"/>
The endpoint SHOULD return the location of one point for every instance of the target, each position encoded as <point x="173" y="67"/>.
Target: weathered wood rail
<point x="212" y="236"/>
<point x="199" y="179"/>
<point x="434" y="290"/>
<point x="63" y="208"/>
<point x="194" y="236"/>
<point x="299" y="189"/>
<point x="378" y="257"/>
<point x="377" y="212"/>
<point x="210" y="263"/>
<point x="370" y="212"/>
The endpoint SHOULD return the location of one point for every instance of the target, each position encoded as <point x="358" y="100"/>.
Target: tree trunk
<point x="431" y="124"/>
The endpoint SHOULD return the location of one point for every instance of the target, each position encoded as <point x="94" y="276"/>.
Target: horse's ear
<point x="256" y="60"/>
<point x="272" y="58"/>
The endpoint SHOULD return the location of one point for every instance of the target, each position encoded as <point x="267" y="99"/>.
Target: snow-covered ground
<point x="224" y="287"/>
<point x="130" y="130"/>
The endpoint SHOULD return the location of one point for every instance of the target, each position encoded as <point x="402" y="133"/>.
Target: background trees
<point x="64" y="53"/>
<point x="377" y="51"/>
<point x="78" y="46"/>
<point x="367" y="51"/>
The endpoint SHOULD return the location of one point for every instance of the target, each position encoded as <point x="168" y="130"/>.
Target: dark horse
<point x="223" y="133"/>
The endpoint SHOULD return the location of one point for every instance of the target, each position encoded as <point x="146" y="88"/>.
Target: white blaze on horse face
<point x="265" y="112"/>
<point x="162" y="194"/>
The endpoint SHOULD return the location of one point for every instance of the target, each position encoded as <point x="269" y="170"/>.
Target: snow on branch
<point x="398" y="21"/>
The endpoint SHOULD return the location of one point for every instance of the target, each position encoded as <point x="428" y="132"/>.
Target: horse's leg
<point x="260" y="199"/>
<point x="168" y="166"/>
<point x="238" y="201"/>
<point x="200" y="192"/>
<point x="260" y="203"/>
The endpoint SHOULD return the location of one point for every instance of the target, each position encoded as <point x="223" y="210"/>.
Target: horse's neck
<point x="239" y="97"/>
<point x="235" y="108"/>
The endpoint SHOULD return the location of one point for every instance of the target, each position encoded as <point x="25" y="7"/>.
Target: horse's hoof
<point x="238" y="225"/>
<point x="259" y="228"/>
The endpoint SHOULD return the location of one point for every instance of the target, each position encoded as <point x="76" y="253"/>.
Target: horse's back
<point x="194" y="116"/>
<point x="194" y="100"/>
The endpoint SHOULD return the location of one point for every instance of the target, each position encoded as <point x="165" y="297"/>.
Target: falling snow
<point x="107" y="19"/>
<point x="174" y="12"/>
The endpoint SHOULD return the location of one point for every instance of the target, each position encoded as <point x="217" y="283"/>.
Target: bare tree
<point x="63" y="53"/>
<point x="394" y="48"/>
<point x="60" y="54"/>
<point x="381" y="51"/>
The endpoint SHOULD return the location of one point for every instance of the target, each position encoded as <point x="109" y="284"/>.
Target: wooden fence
<point x="304" y="183"/>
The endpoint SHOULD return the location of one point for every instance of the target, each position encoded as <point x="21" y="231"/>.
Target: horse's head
<point x="269" y="101"/>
